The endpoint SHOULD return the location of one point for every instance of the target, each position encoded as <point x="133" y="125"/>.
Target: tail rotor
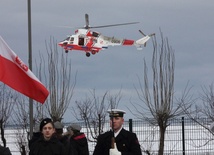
<point x="150" y="35"/>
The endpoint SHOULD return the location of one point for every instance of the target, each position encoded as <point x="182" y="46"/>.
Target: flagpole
<point x="30" y="66"/>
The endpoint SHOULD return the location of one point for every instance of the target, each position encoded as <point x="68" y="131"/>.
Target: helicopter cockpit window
<point x="72" y="39"/>
<point x="95" y="34"/>
<point x="67" y="39"/>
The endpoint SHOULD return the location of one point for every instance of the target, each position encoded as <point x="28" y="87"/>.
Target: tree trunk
<point x="2" y="133"/>
<point x="161" y="143"/>
<point x="23" y="151"/>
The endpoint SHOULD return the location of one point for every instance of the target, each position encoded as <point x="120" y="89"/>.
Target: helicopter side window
<point x="81" y="41"/>
<point x="95" y="40"/>
<point x="71" y="40"/>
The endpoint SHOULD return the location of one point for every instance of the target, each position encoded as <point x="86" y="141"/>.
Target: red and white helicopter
<point x="92" y="42"/>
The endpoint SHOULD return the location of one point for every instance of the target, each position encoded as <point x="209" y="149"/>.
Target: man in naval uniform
<point x="117" y="141"/>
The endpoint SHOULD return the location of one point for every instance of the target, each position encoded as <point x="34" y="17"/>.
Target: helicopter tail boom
<point x="143" y="40"/>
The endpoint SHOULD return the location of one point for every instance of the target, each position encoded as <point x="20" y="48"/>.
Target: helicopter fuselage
<point x="92" y="42"/>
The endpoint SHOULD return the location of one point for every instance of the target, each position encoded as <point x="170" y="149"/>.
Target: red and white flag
<point x="14" y="73"/>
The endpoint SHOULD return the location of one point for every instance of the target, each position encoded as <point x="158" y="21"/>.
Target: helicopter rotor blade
<point x="150" y="35"/>
<point x="87" y="26"/>
<point x="142" y="33"/>
<point x="87" y="21"/>
<point x="70" y="27"/>
<point x="114" y="25"/>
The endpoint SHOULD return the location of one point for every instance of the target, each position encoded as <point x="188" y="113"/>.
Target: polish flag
<point x="14" y="73"/>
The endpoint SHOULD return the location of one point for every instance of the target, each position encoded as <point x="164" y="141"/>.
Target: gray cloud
<point x="187" y="24"/>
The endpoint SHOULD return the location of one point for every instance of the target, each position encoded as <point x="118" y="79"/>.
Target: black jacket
<point x="51" y="147"/>
<point x="4" y="150"/>
<point x="77" y="145"/>
<point x="35" y="137"/>
<point x="127" y="143"/>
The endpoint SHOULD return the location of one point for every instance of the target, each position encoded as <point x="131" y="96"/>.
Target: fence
<point x="183" y="136"/>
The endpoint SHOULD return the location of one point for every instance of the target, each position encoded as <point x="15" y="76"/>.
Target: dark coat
<point x="35" y="137"/>
<point x="127" y="143"/>
<point x="4" y="150"/>
<point x="77" y="145"/>
<point x="51" y="147"/>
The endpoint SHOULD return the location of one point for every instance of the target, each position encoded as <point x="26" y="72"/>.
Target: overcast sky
<point x="188" y="25"/>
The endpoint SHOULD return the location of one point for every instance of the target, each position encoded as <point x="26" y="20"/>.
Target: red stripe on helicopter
<point x="128" y="42"/>
<point x="90" y="43"/>
<point x="88" y="33"/>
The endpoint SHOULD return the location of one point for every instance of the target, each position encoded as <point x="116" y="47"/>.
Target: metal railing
<point x="183" y="136"/>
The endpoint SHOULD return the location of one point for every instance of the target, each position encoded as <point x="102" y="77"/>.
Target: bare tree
<point x="21" y="119"/>
<point x="7" y="100"/>
<point x="58" y="77"/>
<point x="158" y="101"/>
<point x="207" y="98"/>
<point x="92" y="110"/>
<point x="203" y="109"/>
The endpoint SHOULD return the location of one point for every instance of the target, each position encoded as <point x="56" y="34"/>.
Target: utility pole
<point x="30" y="65"/>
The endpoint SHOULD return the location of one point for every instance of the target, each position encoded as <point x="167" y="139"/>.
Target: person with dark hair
<point x="4" y="151"/>
<point x="47" y="144"/>
<point x="77" y="143"/>
<point x="117" y="141"/>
